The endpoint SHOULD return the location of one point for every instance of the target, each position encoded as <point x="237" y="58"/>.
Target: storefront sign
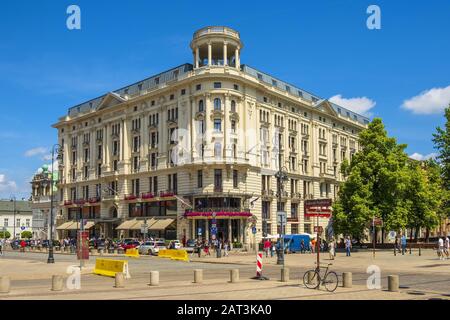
<point x="318" y="208"/>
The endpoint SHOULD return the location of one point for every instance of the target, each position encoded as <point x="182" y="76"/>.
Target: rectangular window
<point x="218" y="180"/>
<point x="217" y="85"/>
<point x="199" y="179"/>
<point x="235" y="179"/>
<point x="217" y="125"/>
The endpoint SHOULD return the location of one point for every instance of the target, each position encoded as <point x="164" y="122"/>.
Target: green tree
<point x="441" y="141"/>
<point x="423" y="196"/>
<point x="26" y="235"/>
<point x="376" y="180"/>
<point x="3" y="236"/>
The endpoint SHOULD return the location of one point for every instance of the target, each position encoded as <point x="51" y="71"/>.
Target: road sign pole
<point x="318" y="243"/>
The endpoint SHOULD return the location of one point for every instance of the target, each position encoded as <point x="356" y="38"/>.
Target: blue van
<point x="292" y="242"/>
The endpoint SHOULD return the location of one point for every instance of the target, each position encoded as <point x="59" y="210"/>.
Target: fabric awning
<point x="76" y="226"/>
<point x="127" y="225"/>
<point x="161" y="224"/>
<point x="65" y="225"/>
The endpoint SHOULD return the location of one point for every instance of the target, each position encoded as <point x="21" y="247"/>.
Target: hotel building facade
<point x="194" y="151"/>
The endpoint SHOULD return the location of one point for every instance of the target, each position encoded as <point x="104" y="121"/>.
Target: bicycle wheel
<point x="331" y="281"/>
<point x="311" y="279"/>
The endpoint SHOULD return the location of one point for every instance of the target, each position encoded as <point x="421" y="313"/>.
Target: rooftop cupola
<point x="216" y="46"/>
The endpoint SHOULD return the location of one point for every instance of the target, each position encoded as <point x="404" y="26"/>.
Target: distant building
<point x="16" y="217"/>
<point x="41" y="203"/>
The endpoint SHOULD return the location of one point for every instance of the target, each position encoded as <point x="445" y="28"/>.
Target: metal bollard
<point x="154" y="278"/>
<point x="5" y="284"/>
<point x="120" y="280"/>
<point x="198" y="276"/>
<point x="393" y="283"/>
<point x="285" y="275"/>
<point x="234" y="275"/>
<point x="57" y="283"/>
<point x="347" y="280"/>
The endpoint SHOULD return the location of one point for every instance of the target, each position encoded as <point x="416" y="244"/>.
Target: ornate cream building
<point x="198" y="141"/>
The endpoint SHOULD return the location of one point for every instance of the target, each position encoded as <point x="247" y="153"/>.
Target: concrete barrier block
<point x="198" y="276"/>
<point x="347" y="280"/>
<point x="5" y="284"/>
<point x="154" y="278"/>
<point x="393" y="283"/>
<point x="57" y="283"/>
<point x="120" y="280"/>
<point x="234" y="275"/>
<point x="285" y="275"/>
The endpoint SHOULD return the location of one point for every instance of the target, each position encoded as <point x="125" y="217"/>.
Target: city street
<point x="421" y="277"/>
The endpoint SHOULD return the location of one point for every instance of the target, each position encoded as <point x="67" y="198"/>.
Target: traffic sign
<point x="281" y="217"/>
<point x="254" y="230"/>
<point x="22" y="228"/>
<point x="392" y="235"/>
<point x="199" y="231"/>
<point x="214" y="230"/>
<point x="144" y="228"/>
<point x="318" y="229"/>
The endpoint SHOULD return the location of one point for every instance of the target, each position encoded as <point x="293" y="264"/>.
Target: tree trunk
<point x="416" y="234"/>
<point x="427" y="235"/>
<point x="382" y="235"/>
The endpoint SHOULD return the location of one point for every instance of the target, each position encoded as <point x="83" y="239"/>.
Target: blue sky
<point x="321" y="46"/>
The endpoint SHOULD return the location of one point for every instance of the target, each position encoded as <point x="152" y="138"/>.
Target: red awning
<point x="218" y="214"/>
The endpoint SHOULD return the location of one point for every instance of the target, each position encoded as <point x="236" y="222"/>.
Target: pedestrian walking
<point x="267" y="246"/>
<point x="332" y="249"/>
<point x="403" y="243"/>
<point x="2" y="243"/>
<point x="312" y="245"/>
<point x="447" y="247"/>
<point x="348" y="246"/>
<point x="441" y="249"/>
<point x="226" y="248"/>
<point x="272" y="250"/>
<point x="302" y="246"/>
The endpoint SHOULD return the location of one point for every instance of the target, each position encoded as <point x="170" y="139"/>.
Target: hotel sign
<point x="319" y="207"/>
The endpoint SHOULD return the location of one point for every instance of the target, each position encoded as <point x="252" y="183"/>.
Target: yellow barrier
<point x="180" y="255"/>
<point x="164" y="254"/>
<point x="109" y="268"/>
<point x="133" y="253"/>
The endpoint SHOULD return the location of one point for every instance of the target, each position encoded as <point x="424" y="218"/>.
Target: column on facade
<point x="226" y="127"/>
<point x="144" y="141"/>
<point x="207" y="229"/>
<point x="209" y="54"/>
<point x="107" y="155"/>
<point x="197" y="57"/>
<point x="126" y="143"/>
<point x="164" y="135"/>
<point x="93" y="146"/>
<point x="225" y="56"/>
<point x="193" y="130"/>
<point x="208" y="126"/>
<point x="193" y="234"/>
<point x="237" y="58"/>
<point x="230" y="230"/>
<point x="242" y="231"/>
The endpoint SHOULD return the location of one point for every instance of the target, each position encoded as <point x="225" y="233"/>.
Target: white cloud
<point x="7" y="185"/>
<point x="421" y="157"/>
<point x="432" y="101"/>
<point x="360" y="105"/>
<point x="36" y="152"/>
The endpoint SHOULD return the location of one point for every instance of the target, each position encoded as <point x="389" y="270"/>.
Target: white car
<point x="177" y="244"/>
<point x="152" y="247"/>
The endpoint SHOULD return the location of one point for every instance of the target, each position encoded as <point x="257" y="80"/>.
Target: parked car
<point x="175" y="244"/>
<point x="191" y="243"/>
<point x="130" y="245"/>
<point x="145" y="248"/>
<point x="159" y="245"/>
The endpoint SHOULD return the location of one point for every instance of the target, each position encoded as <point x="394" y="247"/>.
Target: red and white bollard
<point x="259" y="267"/>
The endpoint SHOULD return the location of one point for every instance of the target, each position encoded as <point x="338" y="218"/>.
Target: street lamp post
<point x="56" y="149"/>
<point x="281" y="176"/>
<point x="14" y="200"/>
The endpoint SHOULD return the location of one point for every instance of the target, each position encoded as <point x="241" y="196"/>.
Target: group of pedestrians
<point x="221" y="247"/>
<point x="443" y="248"/>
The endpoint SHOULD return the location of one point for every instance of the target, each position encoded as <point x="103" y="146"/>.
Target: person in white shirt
<point x="446" y="246"/>
<point x="441" y="249"/>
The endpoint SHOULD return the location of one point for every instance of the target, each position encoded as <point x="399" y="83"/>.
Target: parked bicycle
<point x="313" y="279"/>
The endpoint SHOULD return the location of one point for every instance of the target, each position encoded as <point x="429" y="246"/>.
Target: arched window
<point x="201" y="106"/>
<point x="233" y="106"/>
<point x="217" y="104"/>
